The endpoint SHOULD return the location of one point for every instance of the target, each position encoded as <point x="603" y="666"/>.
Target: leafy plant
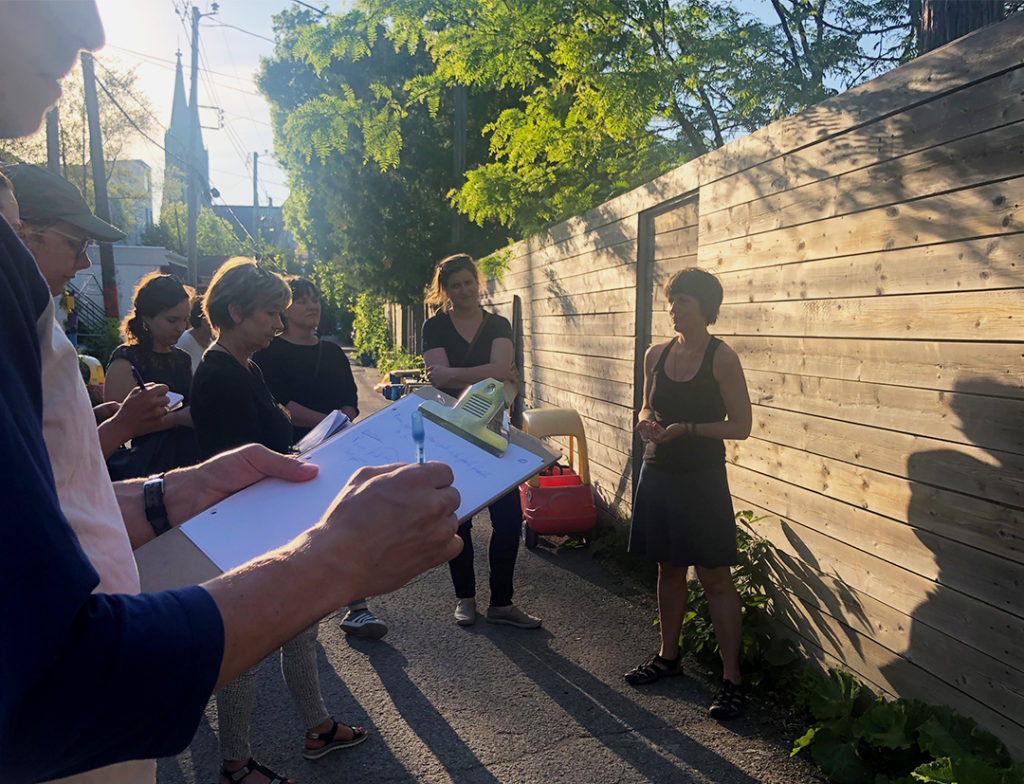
<point x="397" y="358"/>
<point x="859" y="740"/>
<point x="370" y="326"/>
<point x="764" y="655"/>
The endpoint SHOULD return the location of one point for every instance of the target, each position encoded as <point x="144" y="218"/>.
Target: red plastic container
<point x="561" y="504"/>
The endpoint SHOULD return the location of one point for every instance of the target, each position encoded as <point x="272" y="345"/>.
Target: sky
<point x="146" y="34"/>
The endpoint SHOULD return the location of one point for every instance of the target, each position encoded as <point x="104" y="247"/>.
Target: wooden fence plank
<point x="947" y="70"/>
<point x="990" y="209"/>
<point x="991" y="579"/>
<point x="975" y="109"/>
<point x="611" y="324"/>
<point x="985" y="316"/>
<point x="996" y="368"/>
<point x="962" y="468"/>
<point x="995" y="423"/>
<point x="976" y="522"/>
<point x="970" y="265"/>
<point x="976" y="624"/>
<point x="987" y="680"/>
<point x="609" y="346"/>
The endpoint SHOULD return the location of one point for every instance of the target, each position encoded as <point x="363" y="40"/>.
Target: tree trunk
<point x="943" y="21"/>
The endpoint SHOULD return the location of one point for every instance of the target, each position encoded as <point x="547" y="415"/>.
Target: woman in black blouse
<point x="464" y="344"/>
<point x="160" y="308"/>
<point x="311" y="378"/>
<point x="695" y="396"/>
<point x="231" y="406"/>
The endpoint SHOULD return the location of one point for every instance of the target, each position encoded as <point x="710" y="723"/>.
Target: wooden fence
<point x="872" y="255"/>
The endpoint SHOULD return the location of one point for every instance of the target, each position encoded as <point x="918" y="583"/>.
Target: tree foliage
<point x="214" y="235"/>
<point x="571" y="104"/>
<point x="369" y="174"/>
<point x="119" y="132"/>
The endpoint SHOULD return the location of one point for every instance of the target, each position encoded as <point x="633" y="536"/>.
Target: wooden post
<point x="53" y="141"/>
<point x="99" y="184"/>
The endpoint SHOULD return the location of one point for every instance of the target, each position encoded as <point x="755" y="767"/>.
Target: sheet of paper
<point x="272" y="512"/>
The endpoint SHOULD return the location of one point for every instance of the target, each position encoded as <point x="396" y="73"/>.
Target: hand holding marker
<point x="173" y="398"/>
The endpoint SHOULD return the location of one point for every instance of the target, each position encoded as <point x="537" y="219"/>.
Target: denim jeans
<point x="507" y="526"/>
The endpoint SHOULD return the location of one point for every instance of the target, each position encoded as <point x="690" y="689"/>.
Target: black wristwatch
<point x="153" y="497"/>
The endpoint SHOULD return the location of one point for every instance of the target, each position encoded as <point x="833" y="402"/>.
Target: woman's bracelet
<point x="691" y="428"/>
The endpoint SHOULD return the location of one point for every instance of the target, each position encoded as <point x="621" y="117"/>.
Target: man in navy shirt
<point x="133" y="673"/>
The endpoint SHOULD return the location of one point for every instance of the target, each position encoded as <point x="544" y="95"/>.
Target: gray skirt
<point x="684" y="518"/>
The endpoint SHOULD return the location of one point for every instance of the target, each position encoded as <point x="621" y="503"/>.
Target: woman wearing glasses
<point x="160" y="307"/>
<point x="231" y="406"/>
<point x="463" y="344"/>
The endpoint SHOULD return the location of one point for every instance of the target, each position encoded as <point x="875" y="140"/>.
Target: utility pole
<point x="53" y="141"/>
<point x="255" y="203"/>
<point x="99" y="185"/>
<point x="193" y="144"/>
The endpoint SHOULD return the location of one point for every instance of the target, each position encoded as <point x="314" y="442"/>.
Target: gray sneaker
<point x="363" y="623"/>
<point x="512" y="616"/>
<point x="465" y="612"/>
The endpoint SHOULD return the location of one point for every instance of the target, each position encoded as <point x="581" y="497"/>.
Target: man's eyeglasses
<point x="77" y="244"/>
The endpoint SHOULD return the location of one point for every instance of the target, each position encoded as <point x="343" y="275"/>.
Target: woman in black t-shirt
<point x="695" y="396"/>
<point x="231" y="405"/>
<point x="464" y="344"/>
<point x="311" y="378"/>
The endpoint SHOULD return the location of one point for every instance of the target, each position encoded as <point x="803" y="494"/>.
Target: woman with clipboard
<point x="463" y="344"/>
<point x="231" y="406"/>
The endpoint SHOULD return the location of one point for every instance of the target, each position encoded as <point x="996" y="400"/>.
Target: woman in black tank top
<point x="695" y="396"/>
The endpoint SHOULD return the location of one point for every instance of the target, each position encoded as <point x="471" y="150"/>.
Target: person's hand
<point x="669" y="433"/>
<point x="142" y="411"/>
<point x="189" y="491"/>
<point x="104" y="411"/>
<point x="440" y="376"/>
<point x="389" y="524"/>
<point x="649" y="430"/>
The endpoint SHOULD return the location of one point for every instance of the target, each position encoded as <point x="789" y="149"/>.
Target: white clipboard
<point x="273" y="512"/>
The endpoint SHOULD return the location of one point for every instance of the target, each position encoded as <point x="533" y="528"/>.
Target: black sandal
<point x="728" y="703"/>
<point x="331" y="743"/>
<point x="252" y="766"/>
<point x="654" y="669"/>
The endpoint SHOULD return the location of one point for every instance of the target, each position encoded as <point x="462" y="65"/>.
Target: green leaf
<point x="884" y="724"/>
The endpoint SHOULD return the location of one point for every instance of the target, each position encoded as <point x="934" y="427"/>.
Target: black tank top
<point x="696" y="400"/>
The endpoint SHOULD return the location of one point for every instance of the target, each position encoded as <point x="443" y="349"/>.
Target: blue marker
<point x="418" y="434"/>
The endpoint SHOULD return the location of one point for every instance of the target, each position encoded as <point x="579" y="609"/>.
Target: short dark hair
<point x="702" y="286"/>
<point x="302" y="286"/>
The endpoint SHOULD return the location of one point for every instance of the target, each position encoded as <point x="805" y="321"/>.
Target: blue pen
<point x="418" y="434"/>
<point x="138" y="378"/>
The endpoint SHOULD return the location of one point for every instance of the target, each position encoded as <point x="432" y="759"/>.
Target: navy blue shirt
<point x="134" y="672"/>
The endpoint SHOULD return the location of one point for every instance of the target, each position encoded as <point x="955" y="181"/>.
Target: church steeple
<point x="176" y="146"/>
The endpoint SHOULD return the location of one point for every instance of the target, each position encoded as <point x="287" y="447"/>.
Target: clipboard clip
<point x="477" y="415"/>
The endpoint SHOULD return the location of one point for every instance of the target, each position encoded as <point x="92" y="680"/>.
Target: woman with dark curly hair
<point x="160" y="308"/>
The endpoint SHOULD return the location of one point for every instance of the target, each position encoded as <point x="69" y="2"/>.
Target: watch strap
<point x="153" y="498"/>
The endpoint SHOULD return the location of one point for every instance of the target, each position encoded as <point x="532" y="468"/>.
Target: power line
<point x="243" y="30"/>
